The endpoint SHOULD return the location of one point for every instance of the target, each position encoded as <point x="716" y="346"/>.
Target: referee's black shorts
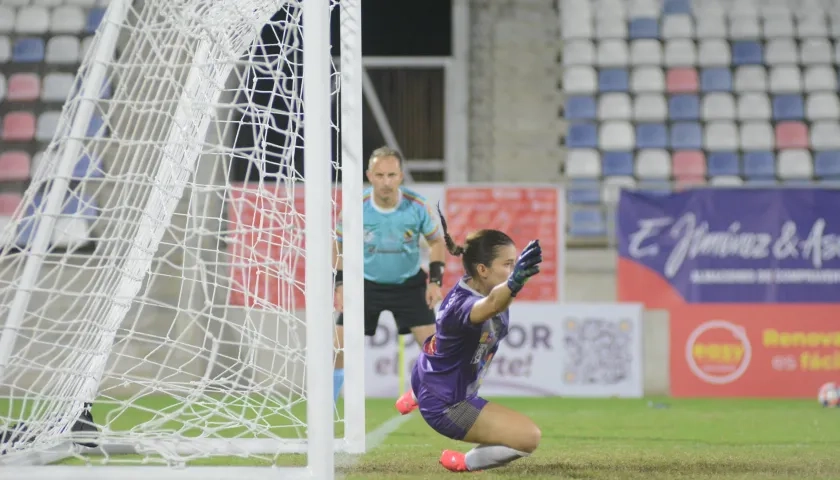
<point x="406" y="301"/>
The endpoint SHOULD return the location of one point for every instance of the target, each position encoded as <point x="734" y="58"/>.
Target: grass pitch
<point x="654" y="438"/>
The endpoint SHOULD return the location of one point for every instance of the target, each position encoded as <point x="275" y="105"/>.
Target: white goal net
<point x="154" y="311"/>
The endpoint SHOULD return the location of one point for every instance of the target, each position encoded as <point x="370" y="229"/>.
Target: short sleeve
<point x="339" y="232"/>
<point x="456" y="314"/>
<point x="429" y="224"/>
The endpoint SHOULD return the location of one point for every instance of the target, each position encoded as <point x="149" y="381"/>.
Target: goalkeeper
<point x="394" y="220"/>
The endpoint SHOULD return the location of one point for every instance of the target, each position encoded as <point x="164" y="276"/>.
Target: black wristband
<point x="339" y="277"/>
<point x="436" y="272"/>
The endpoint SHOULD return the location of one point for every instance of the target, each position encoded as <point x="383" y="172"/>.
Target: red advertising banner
<point x="266" y="243"/>
<point x="524" y="213"/>
<point x="753" y="350"/>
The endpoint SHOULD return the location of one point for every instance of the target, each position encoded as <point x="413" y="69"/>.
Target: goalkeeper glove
<point x="527" y="265"/>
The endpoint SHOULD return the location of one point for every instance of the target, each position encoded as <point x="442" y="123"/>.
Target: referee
<point x="394" y="220"/>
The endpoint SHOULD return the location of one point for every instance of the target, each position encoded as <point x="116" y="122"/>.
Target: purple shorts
<point x="452" y="420"/>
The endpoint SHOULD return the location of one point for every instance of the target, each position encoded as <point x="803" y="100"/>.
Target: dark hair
<point x="480" y="247"/>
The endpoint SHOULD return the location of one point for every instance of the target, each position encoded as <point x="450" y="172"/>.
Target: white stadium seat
<point x="721" y="136"/>
<point x="714" y="53"/>
<point x="578" y="52"/>
<point x="779" y="27"/>
<point x="750" y="78"/>
<point x="710" y="26"/>
<point x="781" y="51"/>
<point x="718" y="106"/>
<point x="785" y="79"/>
<point x="757" y="136"/>
<point x="32" y="20"/>
<point x="616" y="135"/>
<point x="754" y="106"/>
<point x="610" y="27"/>
<point x="583" y="164"/>
<point x="614" y="106"/>
<point x="825" y="135"/>
<point x="812" y="26"/>
<point x="819" y="78"/>
<point x="677" y="26"/>
<point x="579" y="80"/>
<point x="680" y="53"/>
<point x="815" y="51"/>
<point x="612" y="53"/>
<point x="611" y="189"/>
<point x="645" y="52"/>
<point x="795" y="164"/>
<point x="653" y="164"/>
<point x="650" y="107"/>
<point x="647" y="80"/>
<point x="7" y="19"/>
<point x="744" y="27"/>
<point x="67" y="19"/>
<point x="822" y="106"/>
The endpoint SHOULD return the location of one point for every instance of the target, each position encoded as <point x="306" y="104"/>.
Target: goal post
<point x="183" y="315"/>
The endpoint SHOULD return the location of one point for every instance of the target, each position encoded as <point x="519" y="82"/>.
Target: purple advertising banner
<point x="731" y="245"/>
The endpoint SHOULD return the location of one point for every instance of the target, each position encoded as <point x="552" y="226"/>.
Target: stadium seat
<point x="684" y="107"/>
<point x="643" y="28"/>
<point x="14" y="166"/>
<point x="686" y="136"/>
<point x="67" y="19"/>
<point x="614" y="106"/>
<point x="795" y="164"/>
<point x="612" y="186"/>
<point x="710" y="26"/>
<point x="788" y="107"/>
<point x="582" y="163"/>
<point x="682" y="80"/>
<point x="32" y="20"/>
<point x="616" y="135"/>
<point x="28" y="50"/>
<point x="827" y="164"/>
<point x="723" y="164"/>
<point x="726" y="181"/>
<point x="750" y="78"/>
<point x="680" y="53"/>
<point x="578" y="52"/>
<point x="610" y="27"/>
<point x="677" y="8"/>
<point x="721" y="137"/>
<point x="822" y="106"/>
<point x="651" y="135"/>
<point x="744" y="27"/>
<point x="718" y="106"/>
<point x="819" y="78"/>
<point x="825" y="135"/>
<point x="612" y="54"/>
<point x="754" y="106"/>
<point x="72" y="228"/>
<point x="791" y="135"/>
<point x="9" y="203"/>
<point x="688" y="164"/>
<point x="715" y="80"/>
<point x="785" y="79"/>
<point x="23" y="87"/>
<point x="645" y="52"/>
<point x="580" y="108"/>
<point x="617" y="164"/>
<point x="18" y="127"/>
<point x="7" y="19"/>
<point x="653" y="164"/>
<point x="5" y="49"/>
<point x="685" y="183"/>
<point x="779" y="27"/>
<point x="88" y="167"/>
<point x="94" y="18"/>
<point x="97" y="127"/>
<point x="815" y="51"/>
<point x="714" y="53"/>
<point x="583" y="192"/>
<point x="677" y="26"/>
<point x="811" y="26"/>
<point x="757" y="136"/>
<point x="579" y="80"/>
<point x="612" y="80"/>
<point x="57" y="87"/>
<point x="587" y="222"/>
<point x="759" y="164"/>
<point x="781" y="51"/>
<point x="47" y="125"/>
<point x="63" y="50"/>
<point x="649" y="107"/>
<point x="747" y="52"/>
<point x="647" y="80"/>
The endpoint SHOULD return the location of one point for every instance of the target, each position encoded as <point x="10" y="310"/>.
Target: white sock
<point x="484" y="457"/>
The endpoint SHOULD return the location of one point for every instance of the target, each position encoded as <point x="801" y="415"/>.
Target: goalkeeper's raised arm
<point x="395" y="219"/>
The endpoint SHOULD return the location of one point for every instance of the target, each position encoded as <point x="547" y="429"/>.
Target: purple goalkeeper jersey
<point x="455" y="359"/>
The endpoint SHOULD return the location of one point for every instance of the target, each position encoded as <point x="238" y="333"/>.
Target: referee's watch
<point x="436" y="273"/>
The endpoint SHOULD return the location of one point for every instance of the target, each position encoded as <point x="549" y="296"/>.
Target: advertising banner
<point x="587" y="350"/>
<point x="750" y="278"/>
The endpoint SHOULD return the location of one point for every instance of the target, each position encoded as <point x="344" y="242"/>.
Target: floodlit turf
<point x="621" y="439"/>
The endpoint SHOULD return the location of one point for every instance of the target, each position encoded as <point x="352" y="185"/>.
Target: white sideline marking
<point x="372" y="440"/>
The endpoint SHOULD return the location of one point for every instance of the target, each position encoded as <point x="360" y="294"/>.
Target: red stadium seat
<point x="688" y="163"/>
<point x="791" y="135"/>
<point x="18" y="127"/>
<point x="14" y="166"/>
<point x="24" y="87"/>
<point x="685" y="183"/>
<point x="682" y="80"/>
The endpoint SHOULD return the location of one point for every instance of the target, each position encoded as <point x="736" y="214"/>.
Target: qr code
<point x="598" y="351"/>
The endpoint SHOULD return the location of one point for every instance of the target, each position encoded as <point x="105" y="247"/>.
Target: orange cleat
<point x="453" y="461"/>
<point x="406" y="403"/>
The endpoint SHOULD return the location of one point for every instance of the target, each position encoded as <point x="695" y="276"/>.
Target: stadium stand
<point x="669" y="94"/>
<point x="42" y="43"/>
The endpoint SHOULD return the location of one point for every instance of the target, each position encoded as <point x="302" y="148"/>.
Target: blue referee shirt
<point x="392" y="236"/>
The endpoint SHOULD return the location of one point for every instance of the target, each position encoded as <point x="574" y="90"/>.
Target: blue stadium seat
<point x="96" y="128"/>
<point x="94" y="18"/>
<point x="676" y="7"/>
<point x="88" y="167"/>
<point x="651" y="135"/>
<point x="583" y="192"/>
<point x="643" y="28"/>
<point x="617" y="164"/>
<point x="587" y="222"/>
<point x="788" y="107"/>
<point x="759" y="165"/>
<point x="827" y="164"/>
<point x="580" y="108"/>
<point x="684" y="107"/>
<point x="582" y="135"/>
<point x="686" y="136"/>
<point x="612" y="80"/>
<point x="83" y="207"/>
<point x="28" y="50"/>
<point x="656" y="187"/>
<point x="716" y="80"/>
<point x="747" y="52"/>
<point x="722" y="163"/>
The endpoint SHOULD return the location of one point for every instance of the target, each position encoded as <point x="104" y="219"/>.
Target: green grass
<point x="610" y="439"/>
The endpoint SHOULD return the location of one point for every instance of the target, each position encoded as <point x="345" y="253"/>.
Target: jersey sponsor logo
<point x="408" y="236"/>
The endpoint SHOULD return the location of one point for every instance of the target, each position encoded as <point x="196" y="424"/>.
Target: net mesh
<point x="170" y="287"/>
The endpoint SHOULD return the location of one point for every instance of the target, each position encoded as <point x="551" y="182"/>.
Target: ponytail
<point x="453" y="247"/>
